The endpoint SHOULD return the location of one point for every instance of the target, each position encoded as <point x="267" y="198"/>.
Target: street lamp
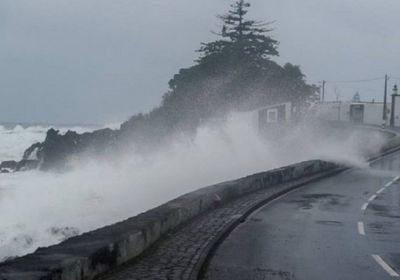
<point x="394" y="95"/>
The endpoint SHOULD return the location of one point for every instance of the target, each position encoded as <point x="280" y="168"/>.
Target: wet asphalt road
<point x="335" y="228"/>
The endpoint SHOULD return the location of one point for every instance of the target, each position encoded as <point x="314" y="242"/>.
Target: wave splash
<point x="43" y="208"/>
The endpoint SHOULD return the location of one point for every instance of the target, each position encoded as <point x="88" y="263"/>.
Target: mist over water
<point x="14" y="139"/>
<point x="43" y="208"/>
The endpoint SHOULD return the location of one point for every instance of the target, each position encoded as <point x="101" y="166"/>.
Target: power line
<point x="362" y="80"/>
<point x="356" y="81"/>
<point x="348" y="87"/>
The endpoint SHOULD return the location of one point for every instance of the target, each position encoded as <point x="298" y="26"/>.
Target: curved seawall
<point x="93" y="253"/>
<point x="90" y="254"/>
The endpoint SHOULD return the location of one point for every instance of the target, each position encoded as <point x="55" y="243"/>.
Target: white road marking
<point x="372" y="198"/>
<point x="395" y="179"/>
<point x="385" y="266"/>
<point x="365" y="205"/>
<point x="380" y="190"/>
<point x="360" y="226"/>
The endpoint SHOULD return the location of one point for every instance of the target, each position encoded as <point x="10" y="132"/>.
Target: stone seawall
<point x="393" y="143"/>
<point x="90" y="254"/>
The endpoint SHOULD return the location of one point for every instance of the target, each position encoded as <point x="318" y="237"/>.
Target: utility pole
<point x="337" y="93"/>
<point x="323" y="90"/>
<point x="392" y="113"/>
<point x="384" y="117"/>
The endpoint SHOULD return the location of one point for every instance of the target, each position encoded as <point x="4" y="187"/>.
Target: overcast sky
<point x="100" y="61"/>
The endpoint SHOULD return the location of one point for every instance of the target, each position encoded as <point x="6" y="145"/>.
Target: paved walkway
<point x="344" y="227"/>
<point x="181" y="254"/>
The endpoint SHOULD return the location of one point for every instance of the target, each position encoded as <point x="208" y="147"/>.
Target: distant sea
<point x="15" y="138"/>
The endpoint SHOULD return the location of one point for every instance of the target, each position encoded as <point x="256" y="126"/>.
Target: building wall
<point x="373" y="113"/>
<point x="333" y="111"/>
<point x="340" y="111"/>
<point x="397" y="112"/>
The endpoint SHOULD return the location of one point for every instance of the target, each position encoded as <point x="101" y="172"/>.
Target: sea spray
<point x="43" y="208"/>
<point x="14" y="139"/>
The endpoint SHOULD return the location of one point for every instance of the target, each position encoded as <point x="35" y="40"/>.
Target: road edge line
<point x="385" y="266"/>
<point x="361" y="228"/>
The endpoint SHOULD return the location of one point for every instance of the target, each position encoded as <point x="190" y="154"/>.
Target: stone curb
<point x="158" y="262"/>
<point x="391" y="147"/>
<point x="93" y="253"/>
<point x="198" y="271"/>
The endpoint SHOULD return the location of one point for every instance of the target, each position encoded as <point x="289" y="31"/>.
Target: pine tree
<point x="241" y="37"/>
<point x="235" y="72"/>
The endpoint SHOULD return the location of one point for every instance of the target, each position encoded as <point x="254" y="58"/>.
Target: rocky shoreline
<point x="10" y="166"/>
<point x="54" y="151"/>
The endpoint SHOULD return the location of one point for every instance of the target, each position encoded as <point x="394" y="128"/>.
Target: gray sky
<point x="100" y="61"/>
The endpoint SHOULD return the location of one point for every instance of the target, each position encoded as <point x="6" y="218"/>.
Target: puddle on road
<point x="329" y="223"/>
<point x="325" y="201"/>
<point x="384" y="211"/>
<point x="380" y="227"/>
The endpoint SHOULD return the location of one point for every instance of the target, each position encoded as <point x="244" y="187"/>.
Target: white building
<point x="360" y="112"/>
<point x="396" y="112"/>
<point x="332" y="111"/>
<point x="270" y="118"/>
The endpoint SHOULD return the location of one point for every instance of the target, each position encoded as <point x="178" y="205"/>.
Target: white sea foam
<point x="40" y="209"/>
<point x="15" y="139"/>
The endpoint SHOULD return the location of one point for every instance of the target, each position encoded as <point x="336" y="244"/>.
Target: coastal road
<point x="343" y="227"/>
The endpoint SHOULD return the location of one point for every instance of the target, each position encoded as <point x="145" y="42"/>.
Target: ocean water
<point x="39" y="209"/>
<point x="14" y="140"/>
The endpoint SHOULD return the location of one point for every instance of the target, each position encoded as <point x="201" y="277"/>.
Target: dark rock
<point x="10" y="164"/>
<point x="54" y="152"/>
<point x="33" y="151"/>
<point x="27" y="164"/>
<point x="4" y="171"/>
